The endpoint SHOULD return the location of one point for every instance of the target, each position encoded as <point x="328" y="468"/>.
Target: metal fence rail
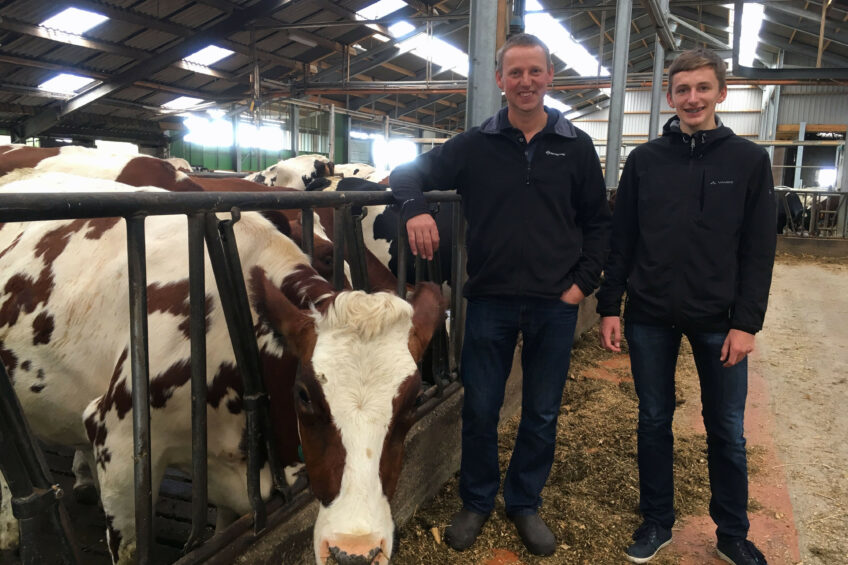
<point x="812" y="213"/>
<point x="203" y="224"/>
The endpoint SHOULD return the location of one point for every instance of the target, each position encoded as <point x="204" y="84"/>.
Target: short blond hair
<point x="521" y="40"/>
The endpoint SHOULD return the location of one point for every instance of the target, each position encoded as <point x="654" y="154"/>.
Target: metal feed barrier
<point x="812" y="213"/>
<point x="46" y="535"/>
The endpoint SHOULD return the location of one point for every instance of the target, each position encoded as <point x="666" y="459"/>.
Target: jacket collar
<point x="701" y="137"/>
<point x="557" y="124"/>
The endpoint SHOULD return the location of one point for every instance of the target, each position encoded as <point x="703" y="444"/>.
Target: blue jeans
<point x="653" y="357"/>
<point x="491" y="331"/>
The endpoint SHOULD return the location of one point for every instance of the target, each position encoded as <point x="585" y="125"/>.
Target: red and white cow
<point x="65" y="343"/>
<point x="19" y="161"/>
<point x="180" y="164"/>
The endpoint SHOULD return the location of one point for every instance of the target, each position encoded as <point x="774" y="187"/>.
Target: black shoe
<point x="464" y="528"/>
<point x="648" y="539"/>
<point x="740" y="552"/>
<point x="537" y="537"/>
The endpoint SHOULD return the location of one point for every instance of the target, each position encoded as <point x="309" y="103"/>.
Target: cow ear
<point x="294" y="325"/>
<point x="429" y="312"/>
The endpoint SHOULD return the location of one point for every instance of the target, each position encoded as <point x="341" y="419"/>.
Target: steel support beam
<point x="799" y="156"/>
<point x="294" y="121"/>
<point x="658" y="12"/>
<point x="150" y="66"/>
<point x="698" y="33"/>
<point x="619" y="83"/>
<point x="484" y="96"/>
<point x="656" y="83"/>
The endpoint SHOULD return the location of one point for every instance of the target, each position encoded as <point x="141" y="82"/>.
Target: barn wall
<point x="740" y="112"/>
<point x="813" y="105"/>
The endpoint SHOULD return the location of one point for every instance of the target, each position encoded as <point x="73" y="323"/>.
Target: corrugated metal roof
<point x="154" y="25"/>
<point x="150" y="39"/>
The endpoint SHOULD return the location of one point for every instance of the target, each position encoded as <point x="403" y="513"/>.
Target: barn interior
<point x="236" y="86"/>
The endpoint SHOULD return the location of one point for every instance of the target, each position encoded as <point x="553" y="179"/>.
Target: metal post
<point x="799" y="155"/>
<point x="137" y="270"/>
<point x="656" y="84"/>
<point x="46" y="535"/>
<point x="842" y="186"/>
<point x="197" y="302"/>
<point x="402" y="256"/>
<point x="621" y="47"/>
<point x="331" y="146"/>
<point x="484" y="97"/>
<point x="457" y="318"/>
<point x="348" y="128"/>
<point x="294" y="112"/>
<point x="339" y="246"/>
<point x="236" y="147"/>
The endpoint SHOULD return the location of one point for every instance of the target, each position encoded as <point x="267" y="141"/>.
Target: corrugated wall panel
<point x="740" y="112"/>
<point x="813" y="105"/>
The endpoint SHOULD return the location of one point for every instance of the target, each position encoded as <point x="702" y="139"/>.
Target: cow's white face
<point x="360" y="372"/>
<point x="355" y="402"/>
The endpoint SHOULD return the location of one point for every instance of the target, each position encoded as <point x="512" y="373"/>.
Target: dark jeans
<point x="653" y="357"/>
<point x="491" y="332"/>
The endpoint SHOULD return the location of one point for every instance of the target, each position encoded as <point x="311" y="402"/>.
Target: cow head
<point x="355" y="402"/>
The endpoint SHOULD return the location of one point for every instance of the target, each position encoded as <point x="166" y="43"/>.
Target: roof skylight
<point x="752" y="22"/>
<point x="74" y="20"/>
<point x="380" y="9"/>
<point x="560" y="42"/>
<point x="182" y="103"/>
<point x="65" y="83"/>
<point x="208" y="55"/>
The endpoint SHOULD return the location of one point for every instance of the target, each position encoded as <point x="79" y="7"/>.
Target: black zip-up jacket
<point x="537" y="213"/>
<point x="693" y="233"/>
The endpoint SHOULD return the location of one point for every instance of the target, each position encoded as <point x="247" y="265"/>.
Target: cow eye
<point x="303" y="396"/>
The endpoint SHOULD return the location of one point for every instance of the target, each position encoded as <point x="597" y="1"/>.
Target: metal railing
<point x="200" y="208"/>
<point x="812" y="213"/>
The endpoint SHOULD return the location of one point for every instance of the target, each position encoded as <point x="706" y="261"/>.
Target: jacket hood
<point x="557" y="123"/>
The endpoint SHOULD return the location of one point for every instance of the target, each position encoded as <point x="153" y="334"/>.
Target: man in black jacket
<point x="538" y="228"/>
<point x="693" y="246"/>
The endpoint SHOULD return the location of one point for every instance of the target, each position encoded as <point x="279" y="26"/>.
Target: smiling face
<point x="694" y="95"/>
<point x="525" y="78"/>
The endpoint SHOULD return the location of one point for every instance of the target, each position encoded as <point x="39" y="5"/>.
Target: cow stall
<point x="36" y="498"/>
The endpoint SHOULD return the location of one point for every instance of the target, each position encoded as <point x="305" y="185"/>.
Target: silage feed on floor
<point x="591" y="499"/>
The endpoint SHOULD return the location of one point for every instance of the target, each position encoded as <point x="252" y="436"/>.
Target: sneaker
<point x="464" y="528"/>
<point x="740" y="552"/>
<point x="534" y="533"/>
<point x="648" y="539"/>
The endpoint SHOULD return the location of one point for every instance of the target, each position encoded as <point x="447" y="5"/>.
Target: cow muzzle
<point x="345" y="549"/>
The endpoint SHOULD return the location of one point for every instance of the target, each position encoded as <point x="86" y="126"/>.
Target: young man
<point x="693" y="245"/>
<point x="538" y="229"/>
